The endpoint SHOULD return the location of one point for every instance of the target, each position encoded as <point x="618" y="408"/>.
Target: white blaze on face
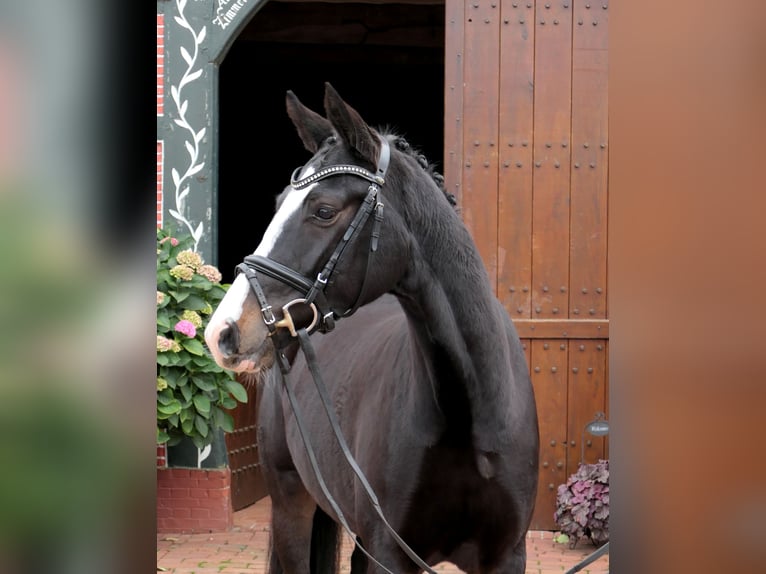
<point x="231" y="305"/>
<point x="289" y="207"/>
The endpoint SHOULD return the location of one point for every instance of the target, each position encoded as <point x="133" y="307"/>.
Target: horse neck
<point x="459" y="326"/>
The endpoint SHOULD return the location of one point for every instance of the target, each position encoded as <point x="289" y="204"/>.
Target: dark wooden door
<point x="526" y="153"/>
<point x="247" y="484"/>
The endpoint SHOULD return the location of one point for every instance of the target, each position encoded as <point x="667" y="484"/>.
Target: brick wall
<point x="160" y="64"/>
<point x="162" y="456"/>
<point x="160" y="109"/>
<point x="160" y="167"/>
<point x="194" y="500"/>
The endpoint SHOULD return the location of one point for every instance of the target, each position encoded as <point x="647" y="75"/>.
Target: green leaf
<point x="193" y="346"/>
<point x="200" y="282"/>
<point x="237" y="390"/>
<point x="165" y="398"/>
<point x="202" y="403"/>
<point x="193" y="302"/>
<point x="163" y="320"/>
<point x="179" y="295"/>
<point x="201" y="425"/>
<point x="163" y="359"/>
<point x="204" y="382"/>
<point x="186" y="414"/>
<point x="228" y="422"/>
<point x="186" y="392"/>
<point x="188" y="426"/>
<point x="228" y="403"/>
<point x="162" y="436"/>
<point x="170" y="409"/>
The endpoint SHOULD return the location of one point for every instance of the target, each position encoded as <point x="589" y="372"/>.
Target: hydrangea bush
<point x="582" y="504"/>
<point x="193" y="392"/>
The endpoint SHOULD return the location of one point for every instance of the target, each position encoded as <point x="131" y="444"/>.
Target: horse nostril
<point x="228" y="340"/>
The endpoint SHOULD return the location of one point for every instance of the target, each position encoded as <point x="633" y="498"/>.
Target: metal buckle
<point x="268" y="315"/>
<point x="287" y="319"/>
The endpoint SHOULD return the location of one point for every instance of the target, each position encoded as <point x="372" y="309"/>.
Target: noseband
<point x="311" y="310"/>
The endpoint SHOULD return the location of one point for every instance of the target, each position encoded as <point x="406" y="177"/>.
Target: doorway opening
<point x="385" y="60"/>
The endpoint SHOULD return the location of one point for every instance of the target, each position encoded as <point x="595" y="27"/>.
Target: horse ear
<point x="312" y="128"/>
<point x="350" y="126"/>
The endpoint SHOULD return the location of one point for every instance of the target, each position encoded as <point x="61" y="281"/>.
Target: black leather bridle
<point x="311" y="312"/>
<point x="312" y="309"/>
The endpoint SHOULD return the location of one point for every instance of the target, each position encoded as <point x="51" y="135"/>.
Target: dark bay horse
<point x="428" y="378"/>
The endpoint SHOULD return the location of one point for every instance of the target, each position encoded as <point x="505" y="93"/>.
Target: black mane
<point x="404" y="146"/>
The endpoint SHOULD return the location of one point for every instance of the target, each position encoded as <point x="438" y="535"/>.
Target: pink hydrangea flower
<point x="186" y="327"/>
<point x="193" y="317"/>
<point x="164" y="344"/>
<point x="210" y="273"/>
<point x="173" y="240"/>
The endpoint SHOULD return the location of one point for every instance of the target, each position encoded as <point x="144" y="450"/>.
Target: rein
<point x="316" y="316"/>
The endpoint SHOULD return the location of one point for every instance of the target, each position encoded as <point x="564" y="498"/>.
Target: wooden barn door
<point x="526" y="152"/>
<point x="247" y="485"/>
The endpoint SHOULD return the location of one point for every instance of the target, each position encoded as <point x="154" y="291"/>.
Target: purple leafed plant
<point x="582" y="504"/>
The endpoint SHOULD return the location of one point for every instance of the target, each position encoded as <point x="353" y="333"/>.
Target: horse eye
<point x="325" y="213"/>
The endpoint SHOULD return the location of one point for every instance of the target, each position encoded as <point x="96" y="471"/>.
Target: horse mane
<point x="404" y="146"/>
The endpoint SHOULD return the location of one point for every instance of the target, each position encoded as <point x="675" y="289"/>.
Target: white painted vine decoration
<point x="181" y="182"/>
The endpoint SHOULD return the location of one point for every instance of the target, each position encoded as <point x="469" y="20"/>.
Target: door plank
<point x="517" y="57"/>
<point x="453" y="98"/>
<point x="586" y="392"/>
<point x="480" y="129"/>
<point x="548" y="366"/>
<point x="590" y="125"/>
<point x="552" y="147"/>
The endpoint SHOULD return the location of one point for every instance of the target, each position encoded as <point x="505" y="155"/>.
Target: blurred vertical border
<point x="687" y="256"/>
<point x="77" y="374"/>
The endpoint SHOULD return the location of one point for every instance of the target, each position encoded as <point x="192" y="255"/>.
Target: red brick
<point x="186" y="483"/>
<point x="184" y="512"/>
<point x="176" y="473"/>
<point x="200" y="513"/>
<point x="179" y="493"/>
<point x="181" y="502"/>
<point x="213" y="503"/>
<point x="198" y="492"/>
<point x="164" y="512"/>
<point x="219" y="493"/>
<point x="215" y="482"/>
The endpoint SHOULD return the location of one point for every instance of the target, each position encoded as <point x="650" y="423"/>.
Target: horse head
<point x="317" y="249"/>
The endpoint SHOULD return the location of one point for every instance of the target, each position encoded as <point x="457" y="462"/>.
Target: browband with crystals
<point x="334" y="170"/>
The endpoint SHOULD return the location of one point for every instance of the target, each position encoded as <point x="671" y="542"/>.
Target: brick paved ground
<point x="244" y="550"/>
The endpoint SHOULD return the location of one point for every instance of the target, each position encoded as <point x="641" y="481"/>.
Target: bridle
<point x="311" y="312"/>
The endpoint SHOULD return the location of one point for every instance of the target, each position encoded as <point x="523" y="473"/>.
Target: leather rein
<point x="311" y="312"/>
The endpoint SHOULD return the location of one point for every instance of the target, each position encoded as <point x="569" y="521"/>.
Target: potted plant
<point x="582" y="505"/>
<point x="193" y="392"/>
